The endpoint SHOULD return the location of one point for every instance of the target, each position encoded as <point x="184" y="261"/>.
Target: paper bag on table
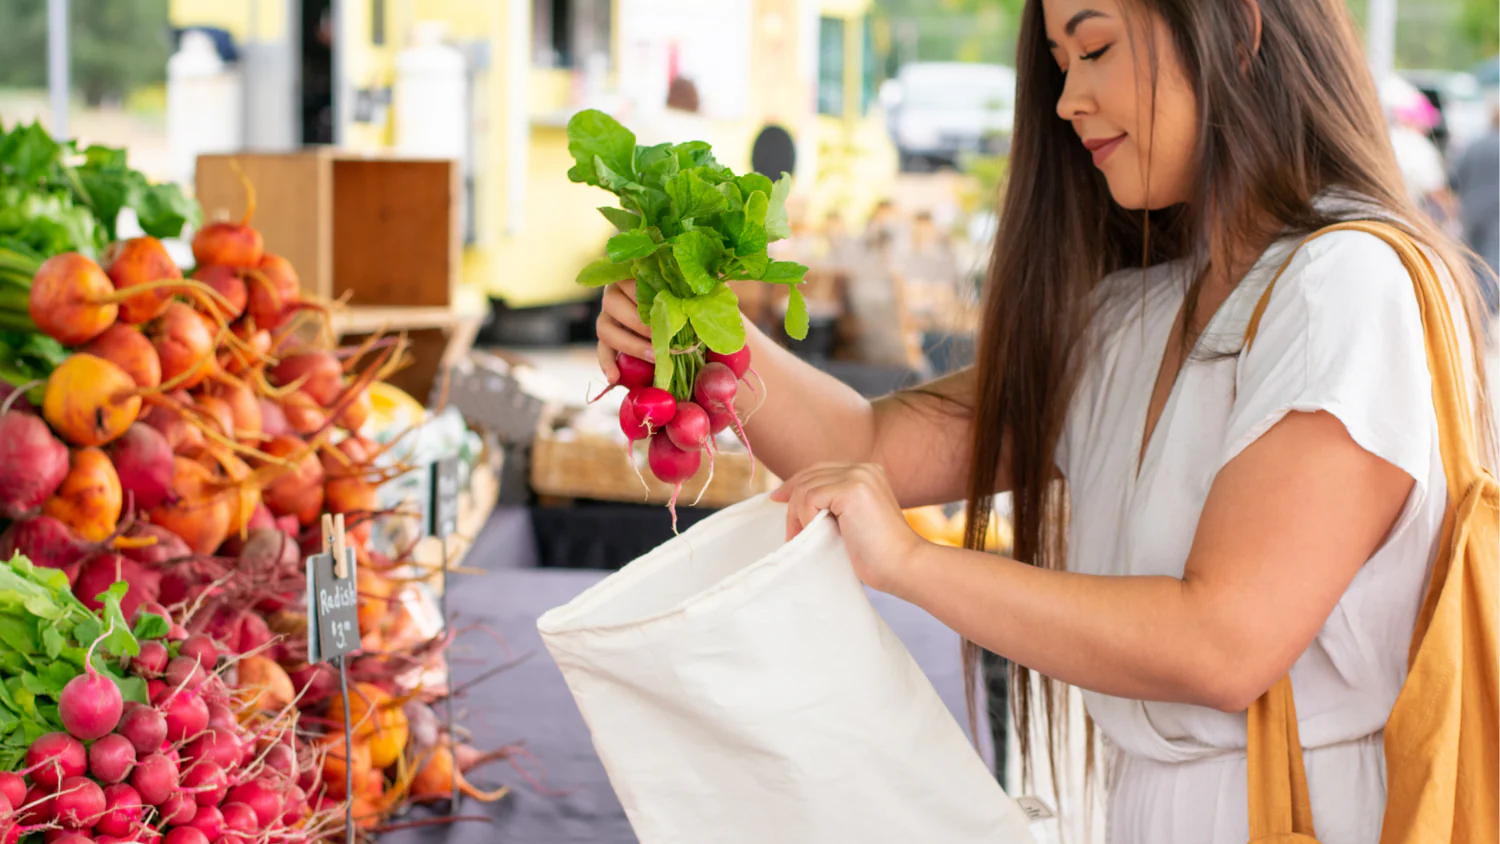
<point x="742" y="690"/>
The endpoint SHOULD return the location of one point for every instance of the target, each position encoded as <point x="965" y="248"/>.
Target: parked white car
<point x="940" y="110"/>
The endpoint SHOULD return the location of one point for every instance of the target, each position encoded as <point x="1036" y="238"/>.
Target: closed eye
<point x="1088" y="57"/>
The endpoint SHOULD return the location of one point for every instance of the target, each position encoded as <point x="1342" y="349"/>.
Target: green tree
<point x="116" y="45"/>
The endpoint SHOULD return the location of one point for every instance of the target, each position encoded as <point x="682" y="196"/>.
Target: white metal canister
<point x="431" y="96"/>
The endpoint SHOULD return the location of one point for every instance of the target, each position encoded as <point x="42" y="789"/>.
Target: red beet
<point x="45" y="541"/>
<point x="143" y="459"/>
<point x="168" y="546"/>
<point x="102" y="572"/>
<point x="272" y="418"/>
<point x="33" y="463"/>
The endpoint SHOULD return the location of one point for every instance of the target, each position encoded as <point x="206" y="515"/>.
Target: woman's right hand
<point x="620" y="329"/>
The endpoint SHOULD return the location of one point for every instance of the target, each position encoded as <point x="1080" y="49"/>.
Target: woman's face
<point x="1148" y="159"/>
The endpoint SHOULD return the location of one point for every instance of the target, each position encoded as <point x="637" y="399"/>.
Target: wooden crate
<point x="438" y="339"/>
<point x="385" y="231"/>
<point x="597" y="468"/>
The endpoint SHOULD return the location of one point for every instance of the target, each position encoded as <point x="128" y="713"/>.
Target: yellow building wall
<point x="232" y="16"/>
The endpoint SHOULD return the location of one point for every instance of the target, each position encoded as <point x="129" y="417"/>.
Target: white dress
<point x="1343" y="335"/>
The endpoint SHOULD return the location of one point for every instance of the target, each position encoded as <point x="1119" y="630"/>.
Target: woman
<point x="1226" y="515"/>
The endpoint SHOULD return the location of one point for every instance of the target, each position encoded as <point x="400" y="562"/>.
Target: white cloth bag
<point x="741" y="689"/>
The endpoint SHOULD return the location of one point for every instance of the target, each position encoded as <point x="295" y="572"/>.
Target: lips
<point x="1102" y="147"/>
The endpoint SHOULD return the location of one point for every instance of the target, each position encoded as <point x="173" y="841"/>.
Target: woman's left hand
<point x="881" y="545"/>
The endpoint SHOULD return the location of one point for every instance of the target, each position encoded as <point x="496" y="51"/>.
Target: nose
<point x="1077" y="98"/>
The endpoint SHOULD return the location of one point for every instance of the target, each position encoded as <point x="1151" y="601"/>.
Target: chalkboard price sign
<point x="334" y="603"/>
<point x="444" y="507"/>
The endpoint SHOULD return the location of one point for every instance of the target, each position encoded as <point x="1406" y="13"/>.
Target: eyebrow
<point x="1072" y="25"/>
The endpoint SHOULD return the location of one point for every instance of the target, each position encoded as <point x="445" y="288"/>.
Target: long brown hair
<point x="1280" y="121"/>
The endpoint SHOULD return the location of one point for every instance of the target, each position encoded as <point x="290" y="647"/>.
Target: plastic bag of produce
<point x="740" y="688"/>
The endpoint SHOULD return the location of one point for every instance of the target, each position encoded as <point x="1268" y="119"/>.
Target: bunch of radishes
<point x="679" y="432"/>
<point x="196" y="765"/>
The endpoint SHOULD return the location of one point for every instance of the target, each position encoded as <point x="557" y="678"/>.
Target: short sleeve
<point x="1342" y="334"/>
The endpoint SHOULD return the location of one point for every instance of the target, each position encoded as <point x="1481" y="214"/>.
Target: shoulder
<point x="1346" y="275"/>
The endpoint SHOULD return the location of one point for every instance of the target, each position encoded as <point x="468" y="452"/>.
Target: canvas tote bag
<point x="1442" y="741"/>
<point x="741" y="689"/>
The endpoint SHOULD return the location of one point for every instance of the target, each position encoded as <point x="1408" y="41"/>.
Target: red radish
<point x="47" y="542"/>
<point x="126" y="347"/>
<point x="12" y="788"/>
<point x="209" y="821"/>
<point x="688" y="429"/>
<point x="281" y="759"/>
<point x="321" y="375"/>
<point x="652" y="409"/>
<point x="178" y="808"/>
<point x="185" y="835"/>
<point x="261" y="797"/>
<point x="142" y="458"/>
<point x="155" y="779"/>
<point x="122" y="811"/>
<point x="53" y="758"/>
<point x="186" y="673"/>
<point x="90" y="401"/>
<point x="238" y="817"/>
<point x="230" y="284"/>
<point x="187" y="715"/>
<point x="272" y="418"/>
<point x="206" y="782"/>
<point x="150" y="662"/>
<point x="184" y="344"/>
<point x="219" y="718"/>
<point x="104" y="571"/>
<point x="111" y="758"/>
<point x="634" y="372"/>
<point x="630" y="423"/>
<point x="218" y="746"/>
<point x="715" y="390"/>
<point x="78" y="803"/>
<point x="738" y="362"/>
<point x="156" y="689"/>
<point x="32" y="461"/>
<point x="72" y="300"/>
<point x="144" y="727"/>
<point x="90" y="704"/>
<point x="672" y="465"/>
<point x="253" y="631"/>
<point x="201" y="648"/>
<point x="139" y="261"/>
<point x="38" y="804"/>
<point x="296" y="802"/>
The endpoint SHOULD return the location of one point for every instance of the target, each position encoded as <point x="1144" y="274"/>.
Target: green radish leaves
<point x="667" y="318"/>
<point x="602" y="272"/>
<point x="715" y="226"/>
<point x="716" y="318"/>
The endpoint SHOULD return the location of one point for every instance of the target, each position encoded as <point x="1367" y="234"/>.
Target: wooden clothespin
<point x="333" y="543"/>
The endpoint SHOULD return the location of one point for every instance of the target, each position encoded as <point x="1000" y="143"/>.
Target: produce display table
<point x="530" y="703"/>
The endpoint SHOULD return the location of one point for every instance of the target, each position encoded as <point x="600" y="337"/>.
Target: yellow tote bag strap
<point x="1280" y="810"/>
<point x="1450" y="393"/>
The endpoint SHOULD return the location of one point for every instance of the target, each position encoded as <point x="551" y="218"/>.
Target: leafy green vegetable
<point x="55" y="198"/>
<point x="45" y="634"/>
<point x="718" y="227"/>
